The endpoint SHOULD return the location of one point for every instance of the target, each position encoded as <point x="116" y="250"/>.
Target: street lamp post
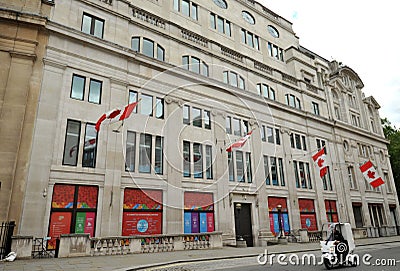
<point x="281" y="238"/>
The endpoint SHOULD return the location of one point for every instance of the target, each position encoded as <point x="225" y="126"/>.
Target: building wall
<point x="109" y="59"/>
<point x="22" y="47"/>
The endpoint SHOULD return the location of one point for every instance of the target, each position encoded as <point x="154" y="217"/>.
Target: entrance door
<point x="243" y="223"/>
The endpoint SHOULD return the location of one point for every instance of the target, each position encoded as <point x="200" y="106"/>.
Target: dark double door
<point x="243" y="226"/>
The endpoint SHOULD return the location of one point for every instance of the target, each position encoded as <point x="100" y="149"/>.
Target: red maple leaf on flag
<point x="371" y="174"/>
<point x="320" y="162"/>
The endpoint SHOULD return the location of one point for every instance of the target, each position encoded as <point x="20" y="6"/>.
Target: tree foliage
<point x="393" y="135"/>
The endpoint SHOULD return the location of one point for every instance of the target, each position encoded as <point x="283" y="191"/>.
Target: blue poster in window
<point x="276" y="222"/>
<point x="203" y="222"/>
<point x="286" y="226"/>
<point x="187" y="227"/>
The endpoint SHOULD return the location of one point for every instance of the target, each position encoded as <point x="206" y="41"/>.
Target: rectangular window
<point x="248" y="168"/>
<point x="236" y="127"/>
<point x="228" y="125"/>
<point x="209" y="170"/>
<point x="350" y="172"/>
<point x="243" y="34"/>
<point x="296" y="174"/>
<point x="225" y="77"/>
<point x="249" y="38"/>
<point x="277" y="137"/>
<point x="148" y="48"/>
<point x="146" y="105"/>
<point x="270" y="135"/>
<point x="196" y="114"/>
<point x="326" y="181"/>
<point x="239" y="166"/>
<point x="298" y="142"/>
<point x="220" y="25"/>
<point x="130" y="154"/>
<point x="195" y="64"/>
<point x="186" y="159"/>
<point x="145" y="153"/>
<point x="71" y="145"/>
<point x="176" y="5"/>
<point x="230" y="166"/>
<point x="292" y="140"/>
<point x="198" y="160"/>
<point x="302" y="174"/>
<point x="159" y="108"/>
<point x="262" y="131"/>
<point x="228" y="28"/>
<point x="207" y="119"/>
<point x="90" y="146"/>
<point x="135" y="44"/>
<point x="133" y="98"/>
<point x="194" y="12"/>
<point x="245" y="127"/>
<point x="160" y="53"/>
<point x="186" y="114"/>
<point x="274" y="174"/>
<point x="233" y="80"/>
<point x="303" y="140"/>
<point x="315" y="108"/>
<point x="204" y="69"/>
<point x="78" y="87"/>
<point x="185" y="62"/>
<point x="281" y="171"/>
<point x="266" y="170"/>
<point x="256" y="43"/>
<point x="92" y="25"/>
<point x="212" y="21"/>
<point x="95" y="91"/>
<point x="185" y="7"/>
<point x="158" y="160"/>
<point x="308" y="174"/>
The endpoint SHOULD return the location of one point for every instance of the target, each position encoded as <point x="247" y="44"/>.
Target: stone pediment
<point x="372" y="102"/>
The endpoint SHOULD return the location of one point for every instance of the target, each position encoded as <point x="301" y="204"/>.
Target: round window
<point x="346" y="145"/>
<point x="273" y="31"/>
<point x="248" y="17"/>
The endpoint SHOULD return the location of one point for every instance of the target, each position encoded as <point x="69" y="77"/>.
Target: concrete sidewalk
<point x="141" y="261"/>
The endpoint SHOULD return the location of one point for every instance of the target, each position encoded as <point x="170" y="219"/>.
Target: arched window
<point x="233" y="79"/>
<point x="195" y="64"/>
<point x="148" y="48"/>
<point x="266" y="91"/>
<point x="293" y="101"/>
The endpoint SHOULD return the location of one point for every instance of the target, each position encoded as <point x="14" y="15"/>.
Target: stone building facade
<point x="23" y="41"/>
<point x="205" y="74"/>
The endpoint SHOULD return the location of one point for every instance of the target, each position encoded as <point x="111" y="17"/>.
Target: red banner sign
<point x="141" y="223"/>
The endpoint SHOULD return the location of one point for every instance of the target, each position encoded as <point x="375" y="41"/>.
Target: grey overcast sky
<point x="361" y="34"/>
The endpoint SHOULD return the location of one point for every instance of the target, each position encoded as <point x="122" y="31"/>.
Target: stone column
<point x="223" y="197"/>
<point x="293" y="205"/>
<point x="264" y="231"/>
<point x="173" y="201"/>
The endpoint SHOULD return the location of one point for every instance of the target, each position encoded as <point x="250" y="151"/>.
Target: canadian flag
<point x="116" y="115"/>
<point x="240" y="142"/>
<point x="320" y="161"/>
<point x="370" y="174"/>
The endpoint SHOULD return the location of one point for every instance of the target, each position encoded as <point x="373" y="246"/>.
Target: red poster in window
<point x="210" y="222"/>
<point x="273" y="202"/>
<point x="60" y="223"/>
<point x="309" y="222"/>
<point x="63" y="196"/>
<point x="198" y="201"/>
<point x="306" y="205"/>
<point x="137" y="199"/>
<point x="87" y="197"/>
<point x="141" y="223"/>
<point x="89" y="223"/>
